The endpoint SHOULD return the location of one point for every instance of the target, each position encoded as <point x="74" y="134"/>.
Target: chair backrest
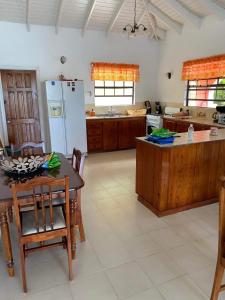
<point x="40" y="190"/>
<point x="27" y="149"/>
<point x="78" y="159"/>
<point x="221" y="250"/>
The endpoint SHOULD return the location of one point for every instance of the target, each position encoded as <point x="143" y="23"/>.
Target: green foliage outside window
<point x="220" y="94"/>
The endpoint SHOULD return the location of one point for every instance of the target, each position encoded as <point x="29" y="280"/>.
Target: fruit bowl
<point x="22" y="165"/>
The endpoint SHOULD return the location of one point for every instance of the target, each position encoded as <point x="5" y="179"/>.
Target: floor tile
<point x="167" y="238"/>
<point x="96" y="287"/>
<point x="59" y="292"/>
<point x="151" y="294"/>
<point x="128" y="280"/>
<point x="190" y="258"/>
<point x="181" y="289"/>
<point x="160" y="268"/>
<point x="141" y="246"/>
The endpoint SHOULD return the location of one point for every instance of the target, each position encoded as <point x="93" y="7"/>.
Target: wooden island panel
<point x="171" y="179"/>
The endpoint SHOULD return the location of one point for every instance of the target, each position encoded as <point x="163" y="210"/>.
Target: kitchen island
<point x="179" y="176"/>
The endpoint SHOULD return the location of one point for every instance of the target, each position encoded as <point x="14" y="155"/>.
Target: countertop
<point x="113" y="117"/>
<point x="193" y="120"/>
<point x="198" y="137"/>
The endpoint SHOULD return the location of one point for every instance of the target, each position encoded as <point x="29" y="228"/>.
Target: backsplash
<point x="194" y="111"/>
<point x="118" y="109"/>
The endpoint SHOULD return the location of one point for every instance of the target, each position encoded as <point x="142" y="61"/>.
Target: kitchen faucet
<point x="110" y="111"/>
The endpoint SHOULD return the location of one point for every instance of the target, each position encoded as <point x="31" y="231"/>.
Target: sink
<point x="113" y="115"/>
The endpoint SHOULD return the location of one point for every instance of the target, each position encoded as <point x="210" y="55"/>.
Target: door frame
<point x="3" y="124"/>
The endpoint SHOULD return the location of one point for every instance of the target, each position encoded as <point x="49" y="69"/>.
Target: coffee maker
<point x="219" y="115"/>
<point x="158" y="108"/>
<point x="148" y="107"/>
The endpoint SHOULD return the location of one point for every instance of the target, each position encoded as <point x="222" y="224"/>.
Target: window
<point x="108" y="93"/>
<point x="206" y="92"/>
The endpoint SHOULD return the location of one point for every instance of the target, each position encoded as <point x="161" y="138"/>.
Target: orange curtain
<point x="204" y="68"/>
<point x="115" y="72"/>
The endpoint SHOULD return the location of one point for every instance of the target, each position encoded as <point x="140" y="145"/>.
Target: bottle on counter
<point x="190" y="132"/>
<point x="92" y="113"/>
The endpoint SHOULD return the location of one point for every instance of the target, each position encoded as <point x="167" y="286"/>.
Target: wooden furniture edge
<point x="175" y="210"/>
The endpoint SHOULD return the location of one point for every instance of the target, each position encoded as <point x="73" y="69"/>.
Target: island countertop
<point x="181" y="139"/>
<point x="179" y="176"/>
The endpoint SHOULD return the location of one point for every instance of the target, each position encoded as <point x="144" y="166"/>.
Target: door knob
<point x="8" y="122"/>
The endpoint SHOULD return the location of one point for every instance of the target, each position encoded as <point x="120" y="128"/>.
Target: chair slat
<point x="51" y="208"/>
<point x="44" y="220"/>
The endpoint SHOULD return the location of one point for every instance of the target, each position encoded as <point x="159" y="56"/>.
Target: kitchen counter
<point x="175" y="177"/>
<point x="114" y="117"/>
<point x="181" y="139"/>
<point x="194" y="120"/>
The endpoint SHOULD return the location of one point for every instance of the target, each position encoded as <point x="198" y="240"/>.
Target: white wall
<point x="192" y="43"/>
<point x="41" y="49"/>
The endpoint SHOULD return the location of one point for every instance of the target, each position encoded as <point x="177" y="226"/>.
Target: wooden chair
<point x="41" y="224"/>
<point x="78" y="166"/>
<point x="27" y="149"/>
<point x="217" y="286"/>
<point x="75" y="202"/>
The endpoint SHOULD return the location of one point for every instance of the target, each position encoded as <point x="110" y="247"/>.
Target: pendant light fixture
<point x="133" y="29"/>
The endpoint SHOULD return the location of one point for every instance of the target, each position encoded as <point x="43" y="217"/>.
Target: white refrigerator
<point x="66" y="114"/>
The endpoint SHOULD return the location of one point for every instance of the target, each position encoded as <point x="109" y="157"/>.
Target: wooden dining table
<point x="76" y="183"/>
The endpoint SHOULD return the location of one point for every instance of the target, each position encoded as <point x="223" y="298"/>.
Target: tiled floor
<point x="129" y="253"/>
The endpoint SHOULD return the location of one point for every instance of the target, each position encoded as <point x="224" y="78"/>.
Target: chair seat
<point x="61" y="201"/>
<point x="28" y="221"/>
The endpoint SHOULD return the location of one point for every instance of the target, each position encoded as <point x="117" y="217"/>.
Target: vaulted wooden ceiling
<point x="112" y="15"/>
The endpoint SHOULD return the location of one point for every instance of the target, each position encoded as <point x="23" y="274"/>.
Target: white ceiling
<point x="112" y="15"/>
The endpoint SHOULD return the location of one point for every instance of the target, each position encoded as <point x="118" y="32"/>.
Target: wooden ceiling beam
<point x="58" y="16"/>
<point x="170" y="23"/>
<point x="150" y="19"/>
<point x="115" y="16"/>
<point x="89" y="14"/>
<point x="214" y="8"/>
<point x="28" y="15"/>
<point x="185" y="13"/>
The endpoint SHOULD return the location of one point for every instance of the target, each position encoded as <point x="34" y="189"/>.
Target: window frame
<point x="208" y="87"/>
<point x="115" y="88"/>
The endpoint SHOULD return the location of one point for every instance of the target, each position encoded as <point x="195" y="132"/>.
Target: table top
<point x="181" y="139"/>
<point x="76" y="182"/>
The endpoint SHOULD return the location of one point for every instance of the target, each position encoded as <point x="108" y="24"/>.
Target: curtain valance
<point x="204" y="68"/>
<point x="115" y="72"/>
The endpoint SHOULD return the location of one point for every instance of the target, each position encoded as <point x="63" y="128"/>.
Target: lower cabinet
<point x="114" y="134"/>
<point x="170" y="124"/>
<point x="110" y="138"/>
<point x="128" y="130"/>
<point x="182" y="126"/>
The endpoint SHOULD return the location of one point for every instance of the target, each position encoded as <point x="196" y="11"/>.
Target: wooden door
<point x="110" y="135"/>
<point x="21" y="106"/>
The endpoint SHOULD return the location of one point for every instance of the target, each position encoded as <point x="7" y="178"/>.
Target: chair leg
<point x="81" y="230"/>
<point x="217" y="281"/>
<point x="10" y="214"/>
<point x="69" y="252"/>
<point x="79" y="221"/>
<point x="23" y="272"/>
<point x="73" y="228"/>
